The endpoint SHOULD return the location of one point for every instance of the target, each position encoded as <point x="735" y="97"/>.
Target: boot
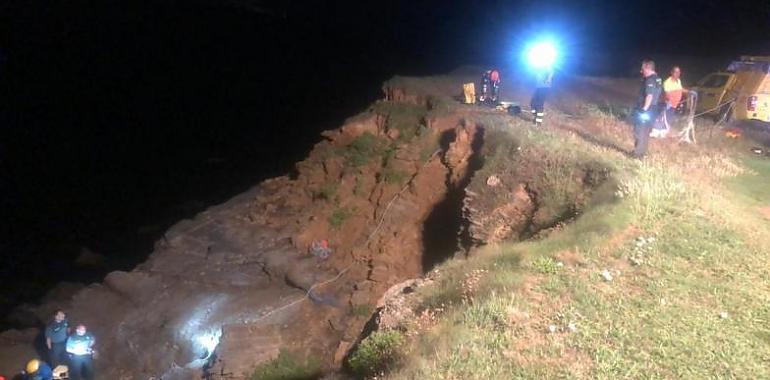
<point x="539" y="117"/>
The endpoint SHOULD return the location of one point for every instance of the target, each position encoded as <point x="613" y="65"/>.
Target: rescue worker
<point x="646" y="108"/>
<point x="56" y="339"/>
<point x="673" y="90"/>
<point x="543" y="80"/>
<point x="80" y="347"/>
<point x="37" y="370"/>
<point x="490" y="82"/>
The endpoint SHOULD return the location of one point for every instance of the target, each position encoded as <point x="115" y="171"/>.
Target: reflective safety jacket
<point x="80" y="344"/>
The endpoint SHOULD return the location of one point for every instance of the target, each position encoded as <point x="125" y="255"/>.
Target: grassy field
<point x="670" y="280"/>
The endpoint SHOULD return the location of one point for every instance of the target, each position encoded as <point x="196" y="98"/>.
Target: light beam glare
<point x="542" y="55"/>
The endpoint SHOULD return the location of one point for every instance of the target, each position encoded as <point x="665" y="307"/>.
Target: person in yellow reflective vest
<point x="673" y="93"/>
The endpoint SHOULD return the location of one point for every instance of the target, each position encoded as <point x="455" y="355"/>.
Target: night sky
<point x="117" y="115"/>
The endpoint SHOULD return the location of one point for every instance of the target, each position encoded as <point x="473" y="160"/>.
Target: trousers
<point x="537" y="104"/>
<point x="538" y="99"/>
<point x="57" y="354"/>
<point x="81" y="367"/>
<point x="641" y="138"/>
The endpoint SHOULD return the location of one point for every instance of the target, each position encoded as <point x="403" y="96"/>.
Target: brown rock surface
<point x="237" y="276"/>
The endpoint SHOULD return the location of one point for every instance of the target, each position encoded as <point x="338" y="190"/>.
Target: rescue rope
<point x="309" y="292"/>
<point x="688" y="133"/>
<point x="731" y="101"/>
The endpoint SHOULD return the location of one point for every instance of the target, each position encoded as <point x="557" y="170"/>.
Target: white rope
<point x="688" y="133"/>
<point x="309" y="292"/>
<point x="368" y="239"/>
<point x="715" y="108"/>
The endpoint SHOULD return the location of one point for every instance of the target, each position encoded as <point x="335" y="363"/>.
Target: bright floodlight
<point x="542" y="55"/>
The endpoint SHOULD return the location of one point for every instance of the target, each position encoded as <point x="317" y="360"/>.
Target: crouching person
<point x="38" y="370"/>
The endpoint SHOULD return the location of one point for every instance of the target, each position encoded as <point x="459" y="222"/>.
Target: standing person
<point x="646" y="107"/>
<point x="673" y="90"/>
<point x="80" y="347"/>
<point x="544" y="78"/>
<point x="56" y="339"/>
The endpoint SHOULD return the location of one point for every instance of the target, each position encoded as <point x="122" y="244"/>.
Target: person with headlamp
<point x="646" y="108"/>
<point x="80" y="347"/>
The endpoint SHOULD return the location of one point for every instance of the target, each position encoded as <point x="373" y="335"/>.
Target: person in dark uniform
<point x="56" y="333"/>
<point x="544" y="78"/>
<point x="646" y="107"/>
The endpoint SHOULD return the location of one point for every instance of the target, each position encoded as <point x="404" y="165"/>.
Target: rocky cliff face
<point x="398" y="188"/>
<point x="236" y="285"/>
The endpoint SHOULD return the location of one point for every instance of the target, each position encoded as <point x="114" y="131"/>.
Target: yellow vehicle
<point x="742" y="93"/>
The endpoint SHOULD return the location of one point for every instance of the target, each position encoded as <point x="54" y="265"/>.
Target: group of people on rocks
<point x="65" y="347"/>
<point x="654" y="112"/>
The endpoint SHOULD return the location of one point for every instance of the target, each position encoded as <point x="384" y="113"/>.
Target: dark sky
<point x="127" y="113"/>
<point x="449" y="29"/>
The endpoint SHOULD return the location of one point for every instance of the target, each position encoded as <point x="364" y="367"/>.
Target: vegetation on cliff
<point x="664" y="276"/>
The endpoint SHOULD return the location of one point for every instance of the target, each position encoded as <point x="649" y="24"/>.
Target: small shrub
<point x="545" y="265"/>
<point x="375" y="353"/>
<point x="362" y="149"/>
<point x="338" y="217"/>
<point x="285" y="367"/>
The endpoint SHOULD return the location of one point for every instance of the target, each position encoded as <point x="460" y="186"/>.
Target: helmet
<point x="33" y="365"/>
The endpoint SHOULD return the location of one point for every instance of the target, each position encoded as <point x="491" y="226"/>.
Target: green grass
<point x="393" y="176"/>
<point x="407" y="119"/>
<point x="692" y="303"/>
<point x="375" y="353"/>
<point x="286" y="367"/>
<point x="362" y="310"/>
<point x="615" y="110"/>
<point x="754" y="184"/>
<point x="363" y="149"/>
<point x="339" y="216"/>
